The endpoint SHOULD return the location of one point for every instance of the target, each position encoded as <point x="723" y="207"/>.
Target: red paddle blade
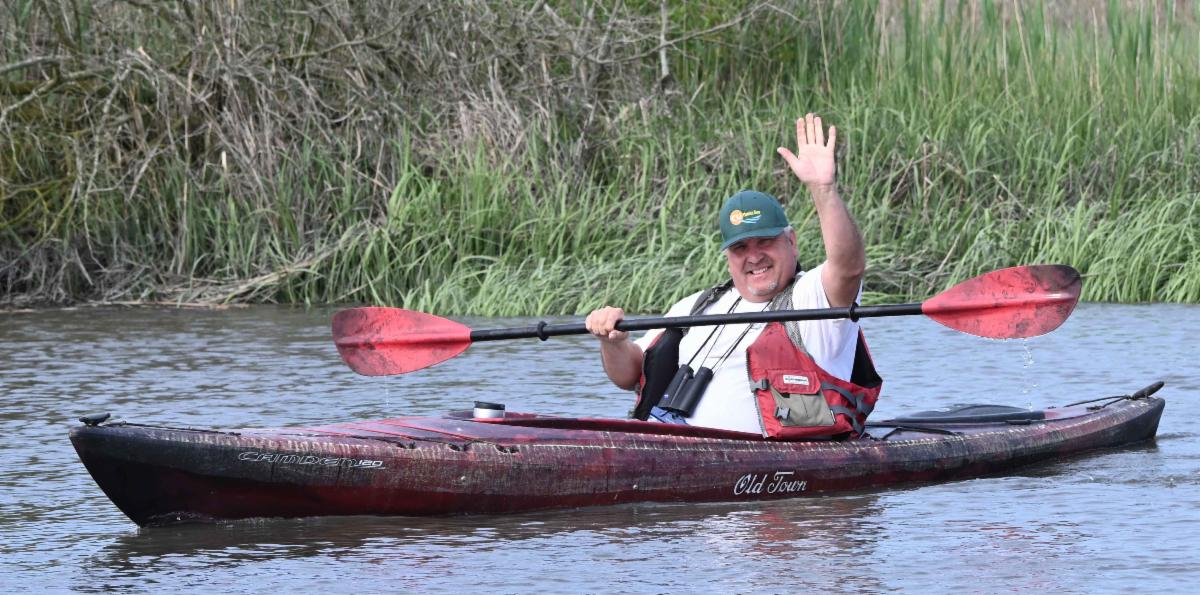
<point x="1011" y="303"/>
<point x="383" y="341"/>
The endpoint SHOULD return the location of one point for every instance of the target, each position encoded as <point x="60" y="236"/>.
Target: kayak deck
<point x="457" y="464"/>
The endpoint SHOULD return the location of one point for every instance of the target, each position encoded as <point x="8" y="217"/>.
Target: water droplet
<point x="1029" y="384"/>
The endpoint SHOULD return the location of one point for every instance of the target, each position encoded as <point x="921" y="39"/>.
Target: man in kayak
<point x="759" y="379"/>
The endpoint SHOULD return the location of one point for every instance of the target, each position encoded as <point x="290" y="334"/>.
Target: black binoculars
<point x="685" y="390"/>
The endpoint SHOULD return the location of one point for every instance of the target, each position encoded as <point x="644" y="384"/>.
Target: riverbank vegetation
<point x="521" y="157"/>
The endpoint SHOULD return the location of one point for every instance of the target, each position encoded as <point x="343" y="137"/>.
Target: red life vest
<point x="798" y="399"/>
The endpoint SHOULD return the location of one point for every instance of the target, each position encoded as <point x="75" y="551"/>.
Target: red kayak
<point x="459" y="463"/>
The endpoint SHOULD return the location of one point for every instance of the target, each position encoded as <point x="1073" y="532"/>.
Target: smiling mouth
<point x="759" y="271"/>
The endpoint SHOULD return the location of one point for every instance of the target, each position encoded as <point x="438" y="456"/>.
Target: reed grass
<point x="975" y="135"/>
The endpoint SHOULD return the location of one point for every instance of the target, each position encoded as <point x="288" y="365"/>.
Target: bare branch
<point x="7" y="68"/>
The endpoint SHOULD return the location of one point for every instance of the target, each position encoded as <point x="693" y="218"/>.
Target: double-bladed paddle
<point x="1011" y="303"/>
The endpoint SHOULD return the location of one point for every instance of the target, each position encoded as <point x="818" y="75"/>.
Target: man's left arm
<point x="845" y="256"/>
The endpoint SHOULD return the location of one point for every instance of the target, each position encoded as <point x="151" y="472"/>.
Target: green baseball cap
<point x="751" y="214"/>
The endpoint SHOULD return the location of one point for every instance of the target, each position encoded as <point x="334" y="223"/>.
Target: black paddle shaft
<point x="544" y="331"/>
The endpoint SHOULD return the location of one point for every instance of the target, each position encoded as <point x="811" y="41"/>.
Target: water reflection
<point x="680" y="538"/>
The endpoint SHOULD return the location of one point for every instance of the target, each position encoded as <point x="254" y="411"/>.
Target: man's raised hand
<point x="813" y="161"/>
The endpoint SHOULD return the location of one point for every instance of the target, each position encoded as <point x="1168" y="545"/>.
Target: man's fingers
<point x="602" y="323"/>
<point x="832" y="137"/>
<point x="820" y="134"/>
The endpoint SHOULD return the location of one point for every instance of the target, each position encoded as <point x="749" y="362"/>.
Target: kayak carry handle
<point x="1141" y="394"/>
<point x="1146" y="392"/>
<point x="94" y="419"/>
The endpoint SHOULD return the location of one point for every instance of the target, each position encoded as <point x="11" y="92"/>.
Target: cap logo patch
<point x="738" y="216"/>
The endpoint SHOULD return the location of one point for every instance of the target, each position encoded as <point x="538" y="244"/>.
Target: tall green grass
<point x="974" y="136"/>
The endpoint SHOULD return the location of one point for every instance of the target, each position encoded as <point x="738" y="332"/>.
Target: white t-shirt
<point x="728" y="403"/>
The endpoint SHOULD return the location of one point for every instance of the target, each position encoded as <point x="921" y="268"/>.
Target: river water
<point x="1120" y="520"/>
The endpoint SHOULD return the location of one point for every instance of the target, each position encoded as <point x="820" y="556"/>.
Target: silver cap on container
<point x="488" y="410"/>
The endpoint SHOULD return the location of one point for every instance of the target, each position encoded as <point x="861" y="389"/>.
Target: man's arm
<point x="845" y="256"/>
<point x="621" y="357"/>
<point x="813" y="163"/>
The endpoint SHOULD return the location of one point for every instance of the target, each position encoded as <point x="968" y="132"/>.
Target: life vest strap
<point x="859" y="401"/>
<point x="850" y="414"/>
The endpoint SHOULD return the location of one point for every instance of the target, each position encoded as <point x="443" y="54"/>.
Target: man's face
<point x="762" y="267"/>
